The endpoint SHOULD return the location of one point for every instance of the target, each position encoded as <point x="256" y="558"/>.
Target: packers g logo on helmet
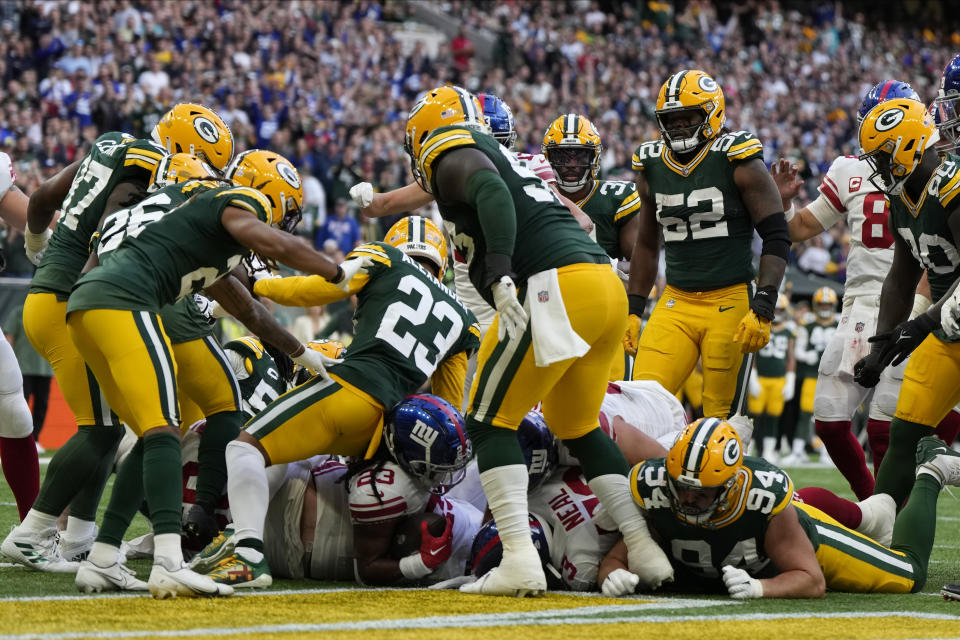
<point x="193" y="128"/>
<point x="180" y="167"/>
<point x="419" y="237"/>
<point x="707" y="459"/>
<point x="444" y="106"/>
<point x="893" y="137"/>
<point x="572" y="147"/>
<point x="685" y="94"/>
<point x="273" y="176"/>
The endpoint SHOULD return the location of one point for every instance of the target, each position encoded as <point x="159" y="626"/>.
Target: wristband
<point x="337" y="279"/>
<point x="765" y="301"/>
<point x="920" y="305"/>
<point x="413" y="568"/>
<point x="791" y="212"/>
<point x="636" y="304"/>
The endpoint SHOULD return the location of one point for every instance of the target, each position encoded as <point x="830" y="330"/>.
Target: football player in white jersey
<point x="18" y="453"/>
<point x="846" y="193"/>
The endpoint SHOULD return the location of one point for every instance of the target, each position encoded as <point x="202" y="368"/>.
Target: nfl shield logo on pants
<point x="543" y="296"/>
<point x="858" y="327"/>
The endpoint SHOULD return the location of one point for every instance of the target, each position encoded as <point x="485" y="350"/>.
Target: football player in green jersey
<point x="115" y="173"/>
<point x="813" y="337"/>
<point x="733" y="524"/>
<point x="516" y="236"/>
<point x="773" y="380"/>
<point x="706" y="190"/>
<point x="898" y="138"/>
<point x="572" y="146"/>
<point x="409" y="329"/>
<point x="152" y="258"/>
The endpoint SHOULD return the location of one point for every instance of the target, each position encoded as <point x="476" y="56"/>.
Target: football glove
<point x="867" y="370"/>
<point x="753" y="385"/>
<point x="789" y="386"/>
<point x="646" y="559"/>
<point x="35" y="244"/>
<point x="315" y="361"/>
<point x="905" y="337"/>
<point x="619" y="582"/>
<point x="740" y="585"/>
<point x="631" y="340"/>
<point x="950" y="315"/>
<point x="434" y="551"/>
<point x="512" y="317"/>
<point x="362" y="194"/>
<point x="349" y="269"/>
<point x="753" y="333"/>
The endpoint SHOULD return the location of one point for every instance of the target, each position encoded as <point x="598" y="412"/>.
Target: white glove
<point x="743" y="425"/>
<point x="753" y="385"/>
<point x="619" y="582"/>
<point x="315" y="361"/>
<point x="362" y="194"/>
<point x="513" y="319"/>
<point x="34" y="244"/>
<point x="789" y="386"/>
<point x="352" y="267"/>
<point x="950" y="315"/>
<point x="740" y="585"/>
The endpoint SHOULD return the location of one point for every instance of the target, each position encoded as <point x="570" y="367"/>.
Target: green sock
<point x="803" y="427"/>
<point x="765" y="426"/>
<point x="494" y="446"/>
<point x="163" y="481"/>
<point x="916" y="526"/>
<point x="125" y="499"/>
<point x="76" y="465"/>
<point x="598" y="454"/>
<point x="84" y="504"/>
<point x="220" y="429"/>
<point x="896" y="472"/>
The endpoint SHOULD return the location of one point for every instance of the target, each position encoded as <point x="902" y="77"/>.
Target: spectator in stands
<point x="341" y="227"/>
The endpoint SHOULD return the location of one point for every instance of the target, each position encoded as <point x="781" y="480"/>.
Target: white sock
<point x="103" y="554"/>
<point x="247" y="489"/>
<point x="166" y="547"/>
<point x="78" y="529"/>
<point x="250" y="554"/>
<point x="39" y="523"/>
<point x="613" y="490"/>
<point x="800" y="447"/>
<point x="770" y="448"/>
<point x="506" y="491"/>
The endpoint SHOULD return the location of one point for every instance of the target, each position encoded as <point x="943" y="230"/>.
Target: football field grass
<point x="47" y="606"/>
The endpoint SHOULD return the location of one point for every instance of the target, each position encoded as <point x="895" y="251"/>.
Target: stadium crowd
<point x="328" y="84"/>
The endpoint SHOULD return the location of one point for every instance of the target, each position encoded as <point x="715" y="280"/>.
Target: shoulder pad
<point x="646" y="151"/>
<point x="439" y="142"/>
<point x="648" y="484"/>
<point x="247" y="198"/>
<point x="398" y="495"/>
<point x="738" y="145"/>
<point x="376" y="251"/>
<point x="771" y="489"/>
<point x="947" y="181"/>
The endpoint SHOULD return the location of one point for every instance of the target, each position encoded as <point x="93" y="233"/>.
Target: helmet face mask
<point x="499" y="118"/>
<point x="690" y="110"/>
<point x="824" y="303"/>
<point x="573" y="166"/>
<point x="947" y="113"/>
<point x="427" y="437"/>
<point x="274" y="176"/>
<point x="893" y="137"/>
<point x="572" y="146"/>
<point x="887" y="176"/>
<point x="682" y="127"/>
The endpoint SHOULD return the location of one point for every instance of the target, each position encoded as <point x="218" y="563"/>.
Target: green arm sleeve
<point x="488" y="194"/>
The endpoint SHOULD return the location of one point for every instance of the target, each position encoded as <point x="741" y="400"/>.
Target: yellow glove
<point x="632" y="337"/>
<point x="753" y="333"/>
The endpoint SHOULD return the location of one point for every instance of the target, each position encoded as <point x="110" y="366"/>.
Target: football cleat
<point x="214" y="553"/>
<point x="181" y="581"/>
<point x="519" y="574"/>
<point x="199" y="528"/>
<point x="950" y="592"/>
<point x="92" y="578"/>
<point x="39" y="554"/>
<point x="241" y="573"/>
<point x="939" y="459"/>
<point x="75" y="550"/>
<point x="877" y="515"/>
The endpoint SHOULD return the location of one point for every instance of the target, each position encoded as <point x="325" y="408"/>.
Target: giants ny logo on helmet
<point x="206" y="129"/>
<point x="423" y="434"/>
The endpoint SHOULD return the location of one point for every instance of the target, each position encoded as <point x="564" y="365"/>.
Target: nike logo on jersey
<point x="722" y="309"/>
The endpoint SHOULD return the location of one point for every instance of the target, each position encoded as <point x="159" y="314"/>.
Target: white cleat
<point x="878" y="513"/>
<point x="519" y="574"/>
<point x="92" y="578"/>
<point x="181" y="581"/>
<point x="37" y="553"/>
<point x="76" y="549"/>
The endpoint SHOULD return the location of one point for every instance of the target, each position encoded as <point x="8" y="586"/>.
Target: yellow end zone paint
<point x="134" y="614"/>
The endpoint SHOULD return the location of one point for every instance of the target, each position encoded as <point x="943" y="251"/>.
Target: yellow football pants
<point x="45" y="323"/>
<point x="130" y="355"/>
<point x="508" y="383"/>
<point x="770" y="400"/>
<point x="854" y="563"/>
<point x="931" y="382"/>
<point x="807" y="392"/>
<point x="692" y="389"/>
<point x="687" y="325"/>
<point x="319" y="416"/>
<point x="205" y="383"/>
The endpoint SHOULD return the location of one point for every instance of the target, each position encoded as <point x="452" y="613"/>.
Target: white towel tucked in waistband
<point x="553" y="337"/>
